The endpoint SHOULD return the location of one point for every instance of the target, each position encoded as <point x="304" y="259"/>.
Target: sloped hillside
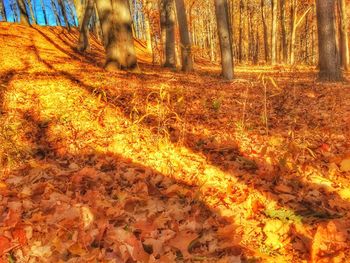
<point x="162" y="166"/>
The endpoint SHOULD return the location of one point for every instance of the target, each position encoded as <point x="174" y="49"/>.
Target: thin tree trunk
<point x="274" y="32"/>
<point x="31" y="12"/>
<point x="44" y="12"/>
<point x="55" y="11"/>
<point x="79" y="9"/>
<point x="344" y="39"/>
<point x="64" y="12"/>
<point x="83" y="42"/>
<point x="283" y="30"/>
<point x="170" y="57"/>
<point x="328" y="53"/>
<point x="224" y="38"/>
<point x="240" y="40"/>
<point x="117" y="33"/>
<point x="2" y="11"/>
<point x="186" y="55"/>
<point x="24" y="18"/>
<point x="266" y="42"/>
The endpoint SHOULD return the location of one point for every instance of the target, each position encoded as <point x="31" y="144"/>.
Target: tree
<point x="24" y="18"/>
<point x="117" y="34"/>
<point x="79" y="8"/>
<point x="169" y="26"/>
<point x="329" y="66"/>
<point x="64" y="12"/>
<point x="2" y="11"/>
<point x="283" y="30"/>
<point x="344" y="40"/>
<point x="274" y="32"/>
<point x="224" y="38"/>
<point x="266" y="42"/>
<point x="83" y="42"/>
<point x="186" y="56"/>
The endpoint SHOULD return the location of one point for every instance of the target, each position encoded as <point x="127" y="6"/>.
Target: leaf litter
<point x="166" y="167"/>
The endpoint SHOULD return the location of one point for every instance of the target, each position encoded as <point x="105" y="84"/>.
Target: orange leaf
<point x="4" y="245"/>
<point x="20" y="235"/>
<point x="182" y="241"/>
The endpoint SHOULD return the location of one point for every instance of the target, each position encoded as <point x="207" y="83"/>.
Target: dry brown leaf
<point x="182" y="241"/>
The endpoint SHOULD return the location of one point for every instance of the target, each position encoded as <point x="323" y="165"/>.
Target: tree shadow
<point x="320" y="207"/>
<point x="119" y="196"/>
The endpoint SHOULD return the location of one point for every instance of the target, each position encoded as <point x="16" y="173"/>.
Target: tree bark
<point x="344" y="38"/>
<point x="64" y="12"/>
<point x="24" y="18"/>
<point x="224" y="38"/>
<point x="44" y="12"/>
<point x="170" y="57"/>
<point x="328" y="53"/>
<point x="83" y="42"/>
<point x="117" y="33"/>
<point x="283" y="31"/>
<point x="240" y="40"/>
<point x="79" y="9"/>
<point x="266" y="42"/>
<point x="274" y="32"/>
<point x="186" y="55"/>
<point x="2" y="11"/>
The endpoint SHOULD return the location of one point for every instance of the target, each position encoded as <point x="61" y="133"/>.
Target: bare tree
<point x="169" y="13"/>
<point x="24" y="18"/>
<point x="2" y="11"/>
<point x="117" y="33"/>
<point x="224" y="38"/>
<point x="344" y="38"/>
<point x="187" y="62"/>
<point x="327" y="48"/>
<point x="83" y="42"/>
<point x="274" y="32"/>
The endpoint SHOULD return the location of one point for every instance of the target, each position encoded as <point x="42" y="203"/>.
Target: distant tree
<point x="224" y="38"/>
<point x="186" y="56"/>
<point x="80" y="10"/>
<point x="329" y="66"/>
<point x="274" y="32"/>
<point x="44" y="12"/>
<point x="117" y="34"/>
<point x="266" y="42"/>
<point x="169" y="12"/>
<point x="2" y="11"/>
<point x="284" y="46"/>
<point x="344" y="38"/>
<point x="83" y="42"/>
<point x="64" y="12"/>
<point x="24" y="17"/>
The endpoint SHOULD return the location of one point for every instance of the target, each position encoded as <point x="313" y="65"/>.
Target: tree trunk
<point x="31" y="12"/>
<point x="328" y="54"/>
<point x="79" y="9"/>
<point x="274" y="32"/>
<point x="344" y="40"/>
<point x="170" y="58"/>
<point x="44" y="12"/>
<point x="240" y="40"/>
<point x="2" y="11"/>
<point x="283" y="30"/>
<point x="64" y="13"/>
<point x="117" y="33"/>
<point x="224" y="38"/>
<point x="186" y="55"/>
<point x="24" y="18"/>
<point x="266" y="42"/>
<point x="83" y="42"/>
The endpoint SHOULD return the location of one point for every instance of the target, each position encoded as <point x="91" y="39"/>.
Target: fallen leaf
<point x="345" y="165"/>
<point x="182" y="241"/>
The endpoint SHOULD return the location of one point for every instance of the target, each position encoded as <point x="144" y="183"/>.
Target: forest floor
<point x="162" y="166"/>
